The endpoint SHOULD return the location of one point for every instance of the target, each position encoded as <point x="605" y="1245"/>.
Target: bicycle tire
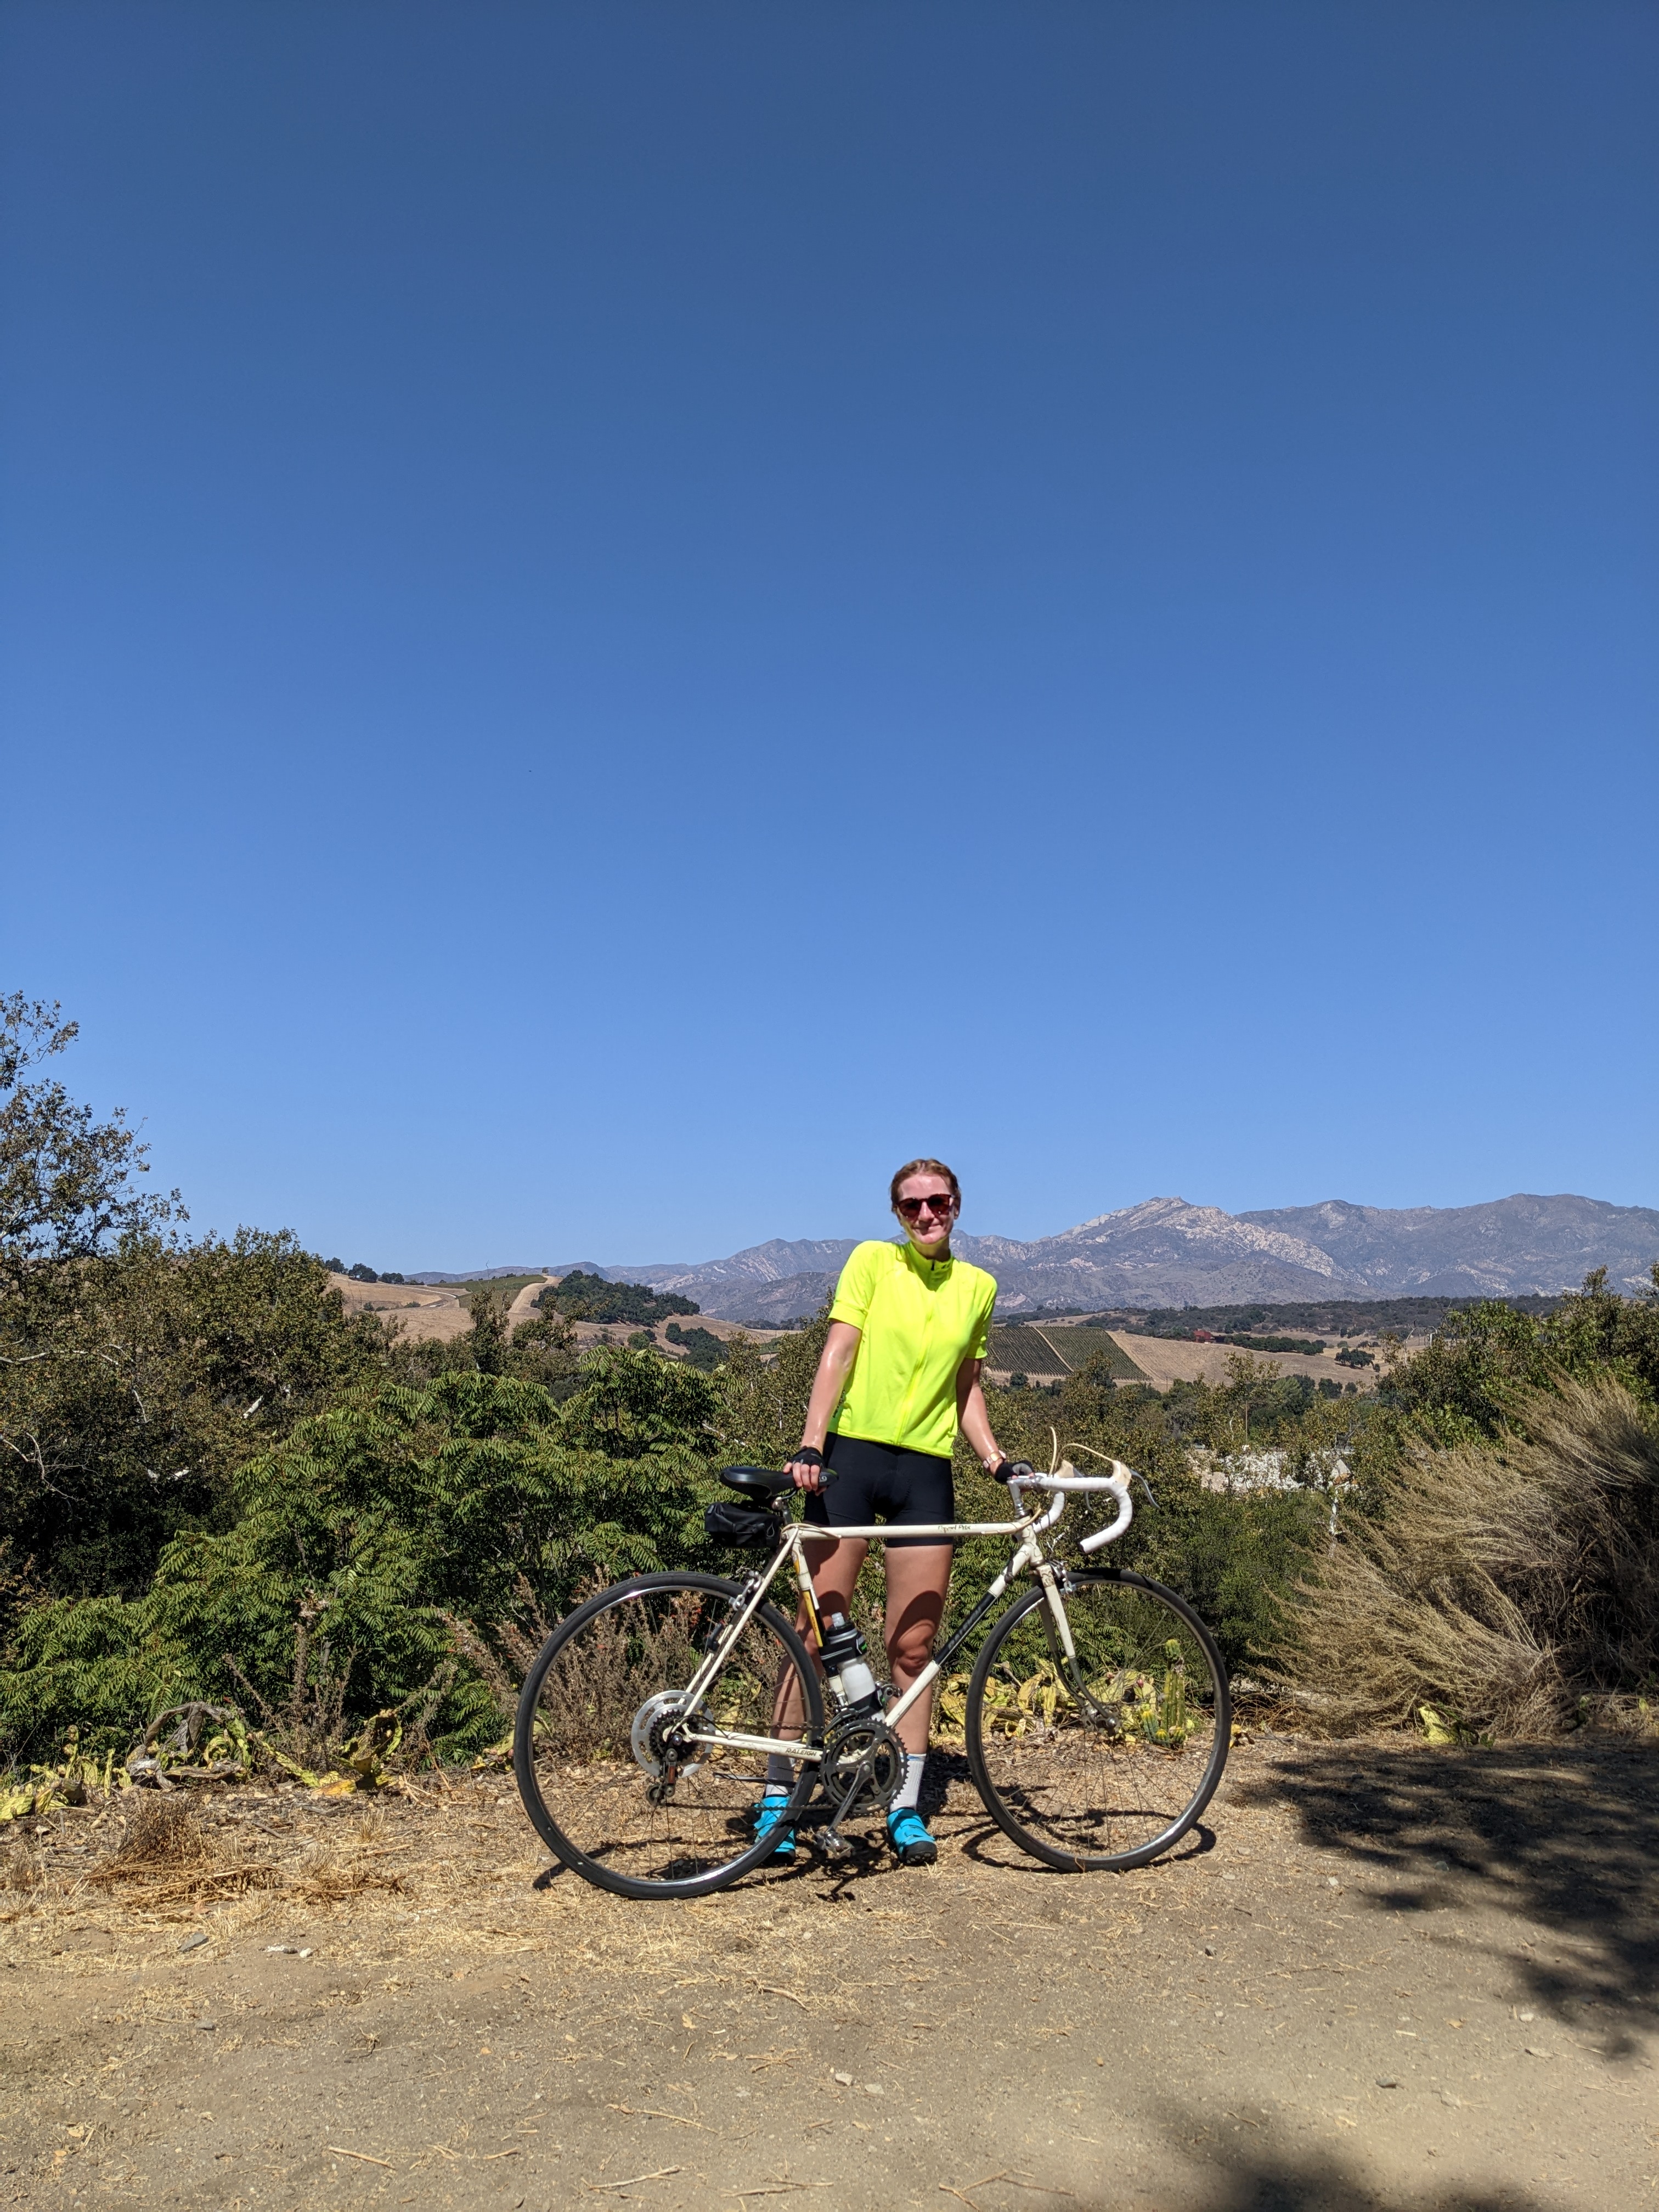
<point x="583" y="1717"/>
<point x="1131" y="1763"/>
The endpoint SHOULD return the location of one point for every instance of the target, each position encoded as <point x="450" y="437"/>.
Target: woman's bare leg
<point x="834" y="1566"/>
<point x="918" y="1577"/>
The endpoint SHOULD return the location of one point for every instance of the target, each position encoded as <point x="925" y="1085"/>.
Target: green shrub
<point x="1234" y="1557"/>
<point x="382" y="1548"/>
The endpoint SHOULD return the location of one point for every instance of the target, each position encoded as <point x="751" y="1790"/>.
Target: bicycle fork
<point x="1062" y="1645"/>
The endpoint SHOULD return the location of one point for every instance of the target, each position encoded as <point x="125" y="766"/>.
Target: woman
<point x="900" y="1373"/>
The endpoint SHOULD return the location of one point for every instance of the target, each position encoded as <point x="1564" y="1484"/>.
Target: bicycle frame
<point x="1030" y="1528"/>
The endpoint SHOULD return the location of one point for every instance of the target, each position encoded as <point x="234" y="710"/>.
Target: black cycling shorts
<point x="869" y="1482"/>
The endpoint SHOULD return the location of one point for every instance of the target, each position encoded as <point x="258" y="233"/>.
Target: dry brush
<point x="1514" y="1584"/>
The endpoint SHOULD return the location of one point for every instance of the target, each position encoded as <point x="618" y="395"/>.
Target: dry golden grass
<point x="433" y="1867"/>
<point x="1517" y="1585"/>
<point x="165" y="1857"/>
<point x="175" y="1851"/>
<point x="162" y="1834"/>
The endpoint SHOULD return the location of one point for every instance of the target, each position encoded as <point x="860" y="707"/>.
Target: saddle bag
<point x="744" y="1527"/>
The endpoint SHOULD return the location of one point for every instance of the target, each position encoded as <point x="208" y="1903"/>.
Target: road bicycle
<point x="1096" y="1721"/>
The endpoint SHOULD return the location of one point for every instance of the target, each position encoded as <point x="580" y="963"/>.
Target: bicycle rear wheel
<point x="1104" y="1763"/>
<point x="608" y="1779"/>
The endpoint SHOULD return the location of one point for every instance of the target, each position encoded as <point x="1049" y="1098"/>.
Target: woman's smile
<point x="927" y="1205"/>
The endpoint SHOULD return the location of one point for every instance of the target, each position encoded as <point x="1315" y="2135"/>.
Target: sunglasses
<point x="912" y="1207"/>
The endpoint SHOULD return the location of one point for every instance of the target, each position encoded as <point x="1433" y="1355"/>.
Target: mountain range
<point x="1165" y="1252"/>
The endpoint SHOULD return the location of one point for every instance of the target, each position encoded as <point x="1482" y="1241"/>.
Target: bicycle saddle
<point x="756" y="1481"/>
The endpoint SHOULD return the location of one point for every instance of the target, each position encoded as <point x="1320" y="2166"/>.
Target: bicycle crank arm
<point x="832" y="1843"/>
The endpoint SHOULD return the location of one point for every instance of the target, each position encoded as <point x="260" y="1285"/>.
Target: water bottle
<point x="850" y="1677"/>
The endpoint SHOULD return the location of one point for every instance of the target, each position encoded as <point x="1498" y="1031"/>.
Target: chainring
<point x="846" y="1745"/>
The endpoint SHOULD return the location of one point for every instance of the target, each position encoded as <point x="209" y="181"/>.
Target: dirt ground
<point x="523" y="1305"/>
<point x="1382" y="1975"/>
<point x="424" y="1308"/>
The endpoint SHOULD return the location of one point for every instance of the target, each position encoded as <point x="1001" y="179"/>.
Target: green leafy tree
<point x="488" y="1343"/>
<point x="65" y="1179"/>
<point x="386" y="1550"/>
<point x="544" y="1350"/>
<point x="701" y="1346"/>
<point x="138" y="1379"/>
<point x="760" y="1404"/>
<point x="1595" y="1330"/>
<point x="138" y="1369"/>
<point x="1234" y="1556"/>
<point x="591" y="1297"/>
<point x="1455" y="1390"/>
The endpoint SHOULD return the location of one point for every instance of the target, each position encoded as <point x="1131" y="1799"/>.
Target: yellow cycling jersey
<point x="920" y="1319"/>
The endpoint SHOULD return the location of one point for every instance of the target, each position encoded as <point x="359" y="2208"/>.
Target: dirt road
<point x="1382" y="1975"/>
<point x="523" y="1307"/>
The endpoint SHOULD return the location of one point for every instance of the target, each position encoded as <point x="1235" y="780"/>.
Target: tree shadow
<point x="1319" y="2182"/>
<point x="1226" y="2175"/>
<point x="1560" y="1834"/>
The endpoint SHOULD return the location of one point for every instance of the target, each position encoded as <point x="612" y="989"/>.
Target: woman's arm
<point x="972" y="1416"/>
<point x="840" y="1349"/>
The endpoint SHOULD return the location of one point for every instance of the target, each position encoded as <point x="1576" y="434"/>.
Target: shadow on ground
<point x="1562" y="1836"/>
<point x="1322" y="2185"/>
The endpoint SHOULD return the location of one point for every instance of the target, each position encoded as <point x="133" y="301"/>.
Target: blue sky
<point x="614" y="618"/>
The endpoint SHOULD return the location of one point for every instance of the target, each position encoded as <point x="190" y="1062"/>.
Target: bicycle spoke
<point x="1106" y="1758"/>
<point x="603" y="1749"/>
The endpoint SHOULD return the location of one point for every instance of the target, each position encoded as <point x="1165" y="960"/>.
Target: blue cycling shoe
<point x="771" y="1814"/>
<point x="909" y="1835"/>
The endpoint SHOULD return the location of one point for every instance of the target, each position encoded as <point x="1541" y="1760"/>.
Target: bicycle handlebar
<point x="1118" y="1483"/>
<point x="1066" y="1480"/>
<point x="1072" y="1481"/>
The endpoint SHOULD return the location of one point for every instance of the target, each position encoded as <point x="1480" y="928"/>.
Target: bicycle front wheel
<point x="604" y="1747"/>
<point x="1103" y="1759"/>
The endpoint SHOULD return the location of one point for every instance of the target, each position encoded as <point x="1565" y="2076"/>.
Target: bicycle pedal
<point x="833" y="1844"/>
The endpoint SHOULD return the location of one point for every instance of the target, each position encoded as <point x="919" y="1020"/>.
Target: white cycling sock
<point x="909" y="1794"/>
<point x="780" y="1774"/>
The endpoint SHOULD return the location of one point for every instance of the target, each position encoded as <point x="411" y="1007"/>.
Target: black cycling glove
<point x="1007" y="1469"/>
<point x="808" y="1456"/>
